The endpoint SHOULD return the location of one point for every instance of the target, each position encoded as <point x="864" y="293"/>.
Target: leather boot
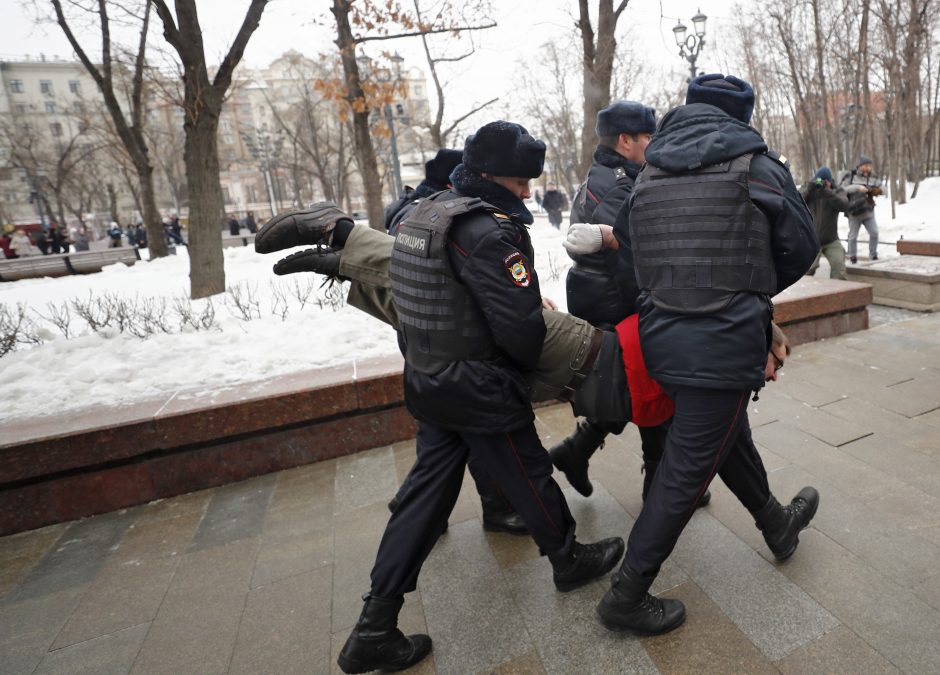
<point x="781" y="525"/>
<point x="499" y="516"/>
<point x="584" y="562"/>
<point x="572" y="454"/>
<point x="376" y="643"/>
<point x="321" y="260"/>
<point x="649" y="470"/>
<point x="628" y="606"/>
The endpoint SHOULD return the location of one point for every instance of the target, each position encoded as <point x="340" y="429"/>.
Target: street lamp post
<point x="690" y="46"/>
<point x="265" y="149"/>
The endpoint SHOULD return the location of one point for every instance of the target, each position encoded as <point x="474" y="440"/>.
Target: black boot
<point x="572" y="454"/>
<point x="584" y="562"/>
<point x="628" y="606"/>
<point x="649" y="470"/>
<point x="781" y="525"/>
<point x="320" y="260"/>
<point x="499" y="516"/>
<point x="377" y="644"/>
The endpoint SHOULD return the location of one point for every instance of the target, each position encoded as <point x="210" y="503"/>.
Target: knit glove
<point x="583" y="238"/>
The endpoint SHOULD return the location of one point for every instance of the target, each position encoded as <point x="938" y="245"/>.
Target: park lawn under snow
<point x="107" y="370"/>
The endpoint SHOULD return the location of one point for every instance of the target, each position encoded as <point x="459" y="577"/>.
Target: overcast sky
<point x="492" y="71"/>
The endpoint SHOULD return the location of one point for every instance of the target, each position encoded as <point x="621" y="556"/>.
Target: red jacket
<point x="651" y="406"/>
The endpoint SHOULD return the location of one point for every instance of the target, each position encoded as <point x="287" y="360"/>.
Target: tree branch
<point x="105" y="39"/>
<point x="435" y="31"/>
<point x="619" y="10"/>
<point x="138" y="84"/>
<point x="170" y="31"/>
<point x="455" y="59"/>
<point x="460" y="119"/>
<point x="223" y="78"/>
<point x="76" y="47"/>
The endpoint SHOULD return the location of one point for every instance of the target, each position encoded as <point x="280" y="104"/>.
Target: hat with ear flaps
<point x="504" y="149"/>
<point x="734" y="96"/>
<point x="437" y="170"/>
<point x="625" y="117"/>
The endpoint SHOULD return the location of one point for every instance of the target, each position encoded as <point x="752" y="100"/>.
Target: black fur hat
<point x="734" y="96"/>
<point x="864" y="159"/>
<point x="437" y="170"/>
<point x="504" y="149"/>
<point x="625" y="117"/>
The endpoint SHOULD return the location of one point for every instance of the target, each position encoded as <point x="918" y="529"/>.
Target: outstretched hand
<point x="320" y="260"/>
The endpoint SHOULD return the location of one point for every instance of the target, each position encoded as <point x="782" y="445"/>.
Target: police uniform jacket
<point x="492" y="255"/>
<point x="725" y="349"/>
<point x="398" y="209"/>
<point x="593" y="291"/>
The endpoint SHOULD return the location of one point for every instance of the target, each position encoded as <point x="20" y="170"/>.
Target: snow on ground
<point x="93" y="370"/>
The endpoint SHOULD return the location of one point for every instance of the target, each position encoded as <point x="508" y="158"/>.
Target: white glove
<point x="583" y="238"/>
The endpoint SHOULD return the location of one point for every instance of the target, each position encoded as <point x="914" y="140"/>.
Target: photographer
<point x="826" y="203"/>
<point x="862" y="187"/>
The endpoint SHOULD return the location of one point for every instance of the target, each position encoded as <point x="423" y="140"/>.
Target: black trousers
<point x="709" y="435"/>
<point x="518" y="465"/>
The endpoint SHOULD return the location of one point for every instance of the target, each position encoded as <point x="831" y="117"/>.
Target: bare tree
<point x="131" y="132"/>
<point x="202" y="101"/>
<point x="374" y="22"/>
<point x="597" y="66"/>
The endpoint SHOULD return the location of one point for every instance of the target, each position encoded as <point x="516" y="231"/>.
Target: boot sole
<point x="617" y="628"/>
<point x="355" y="667"/>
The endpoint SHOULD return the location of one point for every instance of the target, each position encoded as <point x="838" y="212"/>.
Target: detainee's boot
<point x="319" y="260"/>
<point x="376" y="643"/>
<point x="571" y="456"/>
<point x="781" y="525"/>
<point x="628" y="606"/>
<point x="584" y="562"/>
<point x="312" y="226"/>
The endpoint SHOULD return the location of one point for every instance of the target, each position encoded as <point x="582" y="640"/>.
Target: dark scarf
<point x="469" y="184"/>
<point x="612" y="159"/>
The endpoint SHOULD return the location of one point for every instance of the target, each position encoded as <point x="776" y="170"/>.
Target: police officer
<point x="715" y="227"/>
<point x="470" y="325"/>
<point x="599" y="291"/>
<point x="498" y="514"/>
<point x="436" y="178"/>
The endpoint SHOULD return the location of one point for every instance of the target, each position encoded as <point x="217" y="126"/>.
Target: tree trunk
<point x="156" y="241"/>
<point x="362" y="138"/>
<point x="201" y="153"/>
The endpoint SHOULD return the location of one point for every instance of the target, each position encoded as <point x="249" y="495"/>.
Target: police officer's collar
<point x="614" y="160"/>
<point x="469" y="184"/>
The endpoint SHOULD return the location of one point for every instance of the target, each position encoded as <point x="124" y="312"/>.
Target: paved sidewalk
<point x="265" y="576"/>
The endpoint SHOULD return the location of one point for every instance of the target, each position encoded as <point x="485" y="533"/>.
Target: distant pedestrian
<point x="862" y="187"/>
<point x="538" y="200"/>
<point x="55" y="238"/>
<point x="81" y="240"/>
<point x="250" y="222"/>
<point x="233" y="227"/>
<point x="115" y="233"/>
<point x="140" y="236"/>
<point x="826" y="202"/>
<point x="42" y="242"/>
<point x="6" y="247"/>
<point x="21" y="244"/>
<point x="554" y="202"/>
<point x="177" y="229"/>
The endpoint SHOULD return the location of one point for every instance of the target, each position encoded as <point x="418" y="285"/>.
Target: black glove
<point x="320" y="260"/>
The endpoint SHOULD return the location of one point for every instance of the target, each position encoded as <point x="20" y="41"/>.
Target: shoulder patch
<point x="619" y="173"/>
<point x="517" y="269"/>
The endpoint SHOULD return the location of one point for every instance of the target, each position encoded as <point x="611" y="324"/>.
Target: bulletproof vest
<point x="698" y="238"/>
<point x="438" y="319"/>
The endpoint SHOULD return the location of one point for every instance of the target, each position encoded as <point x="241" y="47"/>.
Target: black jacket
<point x="398" y="209"/>
<point x="593" y="290"/>
<point x="554" y="200"/>
<point x="728" y="349"/>
<point x="825" y="205"/>
<point x="492" y="396"/>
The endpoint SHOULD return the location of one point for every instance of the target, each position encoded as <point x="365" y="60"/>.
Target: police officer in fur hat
<point x="470" y="325"/>
<point x="598" y="290"/>
<point x="714" y="228"/>
<point x="436" y="178"/>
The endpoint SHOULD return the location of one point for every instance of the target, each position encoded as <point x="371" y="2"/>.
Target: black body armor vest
<point x="698" y="238"/>
<point x="438" y="319"/>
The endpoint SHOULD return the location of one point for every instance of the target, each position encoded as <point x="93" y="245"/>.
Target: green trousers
<point x="365" y="260"/>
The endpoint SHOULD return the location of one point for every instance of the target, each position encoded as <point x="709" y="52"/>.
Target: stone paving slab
<point x="266" y="575"/>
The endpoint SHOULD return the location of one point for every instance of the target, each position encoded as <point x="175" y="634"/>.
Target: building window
<point x="16" y="86"/>
<point x="75" y="86"/>
<point x="45" y="87"/>
<point x="417" y="92"/>
<point x="56" y="129"/>
<point x="21" y="108"/>
<point x="50" y="107"/>
<point x="78" y="107"/>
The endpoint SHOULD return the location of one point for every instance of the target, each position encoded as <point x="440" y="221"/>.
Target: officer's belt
<point x="591" y="267"/>
<point x="578" y="376"/>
